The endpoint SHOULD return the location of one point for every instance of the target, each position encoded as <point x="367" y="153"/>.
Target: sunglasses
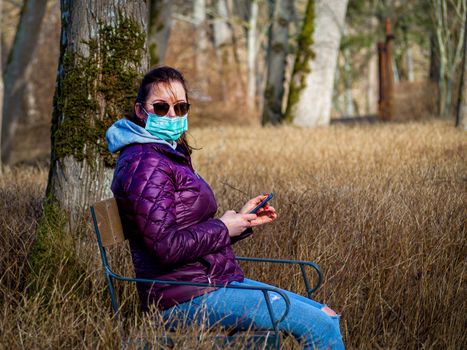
<point x="162" y="108"/>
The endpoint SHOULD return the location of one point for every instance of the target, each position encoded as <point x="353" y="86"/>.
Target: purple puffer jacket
<point x="167" y="213"/>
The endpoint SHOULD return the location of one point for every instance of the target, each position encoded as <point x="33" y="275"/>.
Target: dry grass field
<point x="381" y="209"/>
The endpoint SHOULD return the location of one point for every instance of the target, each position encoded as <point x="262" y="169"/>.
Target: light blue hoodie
<point x="125" y="132"/>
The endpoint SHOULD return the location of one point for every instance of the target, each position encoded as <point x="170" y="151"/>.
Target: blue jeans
<point x="242" y="308"/>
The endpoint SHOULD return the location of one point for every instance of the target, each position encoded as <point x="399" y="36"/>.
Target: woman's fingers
<point x="237" y="223"/>
<point x="267" y="210"/>
<point x="252" y="203"/>
<point x="249" y="219"/>
<point x="265" y="216"/>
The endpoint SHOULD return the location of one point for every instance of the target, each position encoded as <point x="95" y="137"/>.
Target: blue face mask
<point x="166" y="128"/>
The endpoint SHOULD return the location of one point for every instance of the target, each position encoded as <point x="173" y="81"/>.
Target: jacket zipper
<point x="206" y="265"/>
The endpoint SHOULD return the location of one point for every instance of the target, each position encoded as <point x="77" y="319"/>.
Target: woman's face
<point x="171" y="93"/>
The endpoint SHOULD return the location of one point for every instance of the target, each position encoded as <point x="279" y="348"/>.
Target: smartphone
<point x="262" y="204"/>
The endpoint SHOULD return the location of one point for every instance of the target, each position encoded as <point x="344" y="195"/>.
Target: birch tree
<point x="348" y="80"/>
<point x="102" y="57"/>
<point x="201" y="46"/>
<point x="310" y="95"/>
<point x="18" y="71"/>
<point x="276" y="61"/>
<point x="160" y="23"/>
<point x="251" y="54"/>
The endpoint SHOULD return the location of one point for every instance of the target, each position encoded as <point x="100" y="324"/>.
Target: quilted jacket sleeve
<point x="149" y="196"/>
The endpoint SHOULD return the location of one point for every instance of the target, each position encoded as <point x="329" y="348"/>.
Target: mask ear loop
<point x="144" y="110"/>
<point x="147" y="114"/>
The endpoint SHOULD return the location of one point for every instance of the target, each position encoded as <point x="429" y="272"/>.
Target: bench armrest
<point x="302" y="265"/>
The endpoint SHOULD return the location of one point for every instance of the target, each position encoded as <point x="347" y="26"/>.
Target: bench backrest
<point x="107" y="219"/>
<point x="109" y="231"/>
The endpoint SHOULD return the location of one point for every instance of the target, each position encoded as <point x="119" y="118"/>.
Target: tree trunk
<point x="201" y="46"/>
<point x="34" y="129"/>
<point x="395" y="70"/>
<point x="251" y="55"/>
<point x="102" y="56"/>
<point x="434" y="59"/>
<point x="409" y="59"/>
<point x="372" y="74"/>
<point x="276" y="62"/>
<point x="242" y="9"/>
<point x="449" y="20"/>
<point x="222" y="37"/>
<point x="372" y="87"/>
<point x="348" y="82"/>
<point x="461" y="119"/>
<point x="240" y="85"/>
<point x="1" y="82"/>
<point x="222" y="31"/>
<point x="311" y="95"/>
<point x="18" y="71"/>
<point x="160" y="23"/>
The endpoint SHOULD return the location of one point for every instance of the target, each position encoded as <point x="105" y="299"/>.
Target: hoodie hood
<point x="124" y="132"/>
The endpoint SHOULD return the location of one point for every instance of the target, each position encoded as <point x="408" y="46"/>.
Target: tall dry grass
<point x="381" y="208"/>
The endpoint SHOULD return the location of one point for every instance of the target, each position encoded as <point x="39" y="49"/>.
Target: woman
<point x="167" y="213"/>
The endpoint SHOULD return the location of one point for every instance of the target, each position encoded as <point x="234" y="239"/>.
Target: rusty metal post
<point x="389" y="88"/>
<point x="382" y="79"/>
<point x="386" y="75"/>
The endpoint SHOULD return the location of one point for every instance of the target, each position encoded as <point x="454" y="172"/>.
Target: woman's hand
<point x="264" y="215"/>
<point x="237" y="222"/>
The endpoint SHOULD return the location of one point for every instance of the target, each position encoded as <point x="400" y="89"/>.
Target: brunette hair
<point x="160" y="75"/>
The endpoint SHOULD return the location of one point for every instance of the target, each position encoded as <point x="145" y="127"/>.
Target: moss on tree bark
<point x="302" y="60"/>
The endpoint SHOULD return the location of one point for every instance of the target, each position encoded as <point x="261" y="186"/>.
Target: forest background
<point x="380" y="206"/>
